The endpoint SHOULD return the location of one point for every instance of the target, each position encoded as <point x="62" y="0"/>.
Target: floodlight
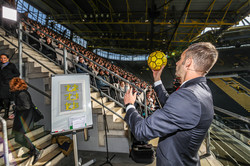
<point x="9" y="13"/>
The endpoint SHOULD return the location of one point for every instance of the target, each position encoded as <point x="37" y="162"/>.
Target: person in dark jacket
<point x="46" y="51"/>
<point x="187" y="113"/>
<point x="7" y="71"/>
<point x="34" y="43"/>
<point x="81" y="63"/>
<point x="24" y="116"/>
<point x="101" y="83"/>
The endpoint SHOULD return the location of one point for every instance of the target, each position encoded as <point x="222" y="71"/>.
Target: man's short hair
<point x="204" y="56"/>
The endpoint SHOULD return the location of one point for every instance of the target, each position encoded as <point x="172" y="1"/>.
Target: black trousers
<point x="24" y="141"/>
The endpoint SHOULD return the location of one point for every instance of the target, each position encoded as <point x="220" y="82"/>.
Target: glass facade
<point x="40" y="17"/>
<point x="120" y="57"/>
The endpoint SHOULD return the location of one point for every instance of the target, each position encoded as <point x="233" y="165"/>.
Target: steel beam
<point x="144" y="23"/>
<point x="210" y="8"/>
<point x="64" y="9"/>
<point x="186" y="13"/>
<point x="243" y="5"/>
<point x="130" y="39"/>
<point x="177" y="26"/>
<point x="128" y="10"/>
<point x="228" y="6"/>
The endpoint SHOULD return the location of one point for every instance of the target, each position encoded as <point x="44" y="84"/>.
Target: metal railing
<point x="66" y="71"/>
<point x="45" y="94"/>
<point x="64" y="55"/>
<point x="5" y="141"/>
<point x="236" y="116"/>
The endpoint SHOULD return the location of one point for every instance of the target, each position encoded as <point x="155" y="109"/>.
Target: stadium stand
<point x="43" y="50"/>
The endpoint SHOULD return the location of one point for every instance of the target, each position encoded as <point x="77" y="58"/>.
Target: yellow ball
<point x="156" y="60"/>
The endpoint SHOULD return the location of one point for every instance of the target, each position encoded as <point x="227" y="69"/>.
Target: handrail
<point x="81" y="55"/>
<point x="141" y="104"/>
<point x="38" y="90"/>
<point x="40" y="43"/>
<point x="245" y="119"/>
<point x="5" y="141"/>
<point x="55" y="72"/>
<point x="29" y="54"/>
<point x="145" y="105"/>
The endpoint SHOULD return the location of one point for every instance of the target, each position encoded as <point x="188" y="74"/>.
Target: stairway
<point x="39" y="136"/>
<point x="229" y="150"/>
<point x="117" y="127"/>
<point x="229" y="86"/>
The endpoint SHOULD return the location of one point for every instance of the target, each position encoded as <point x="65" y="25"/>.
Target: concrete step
<point x="94" y="94"/>
<point x="31" y="135"/>
<point x="117" y="110"/>
<point x="46" y="155"/>
<point x="46" y="147"/>
<point x="16" y="151"/>
<point x="37" y="140"/>
<point x="4" y="47"/>
<point x="54" y="157"/>
<point x="9" y="125"/>
<point x="99" y="99"/>
<point x="35" y="70"/>
<point x="1" y="42"/>
<point x="7" y="51"/>
<point x="49" y="159"/>
<point x="98" y="109"/>
<point x="39" y="75"/>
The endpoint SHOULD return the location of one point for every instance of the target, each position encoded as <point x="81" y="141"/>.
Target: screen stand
<point x="77" y="163"/>
<point x="108" y="160"/>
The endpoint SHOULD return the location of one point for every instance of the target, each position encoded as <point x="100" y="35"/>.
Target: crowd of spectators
<point x="54" y="50"/>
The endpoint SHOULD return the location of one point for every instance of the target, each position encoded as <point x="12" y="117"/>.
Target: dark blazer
<point x="6" y="74"/>
<point x="24" y="113"/>
<point x="181" y="124"/>
<point x="79" y="70"/>
<point x="100" y="83"/>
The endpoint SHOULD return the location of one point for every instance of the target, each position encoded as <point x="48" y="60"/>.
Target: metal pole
<point x="145" y="104"/>
<point x="89" y="162"/>
<point x="5" y="142"/>
<point x="20" y="50"/>
<point x="208" y="142"/>
<point x="65" y="60"/>
<point x="75" y="148"/>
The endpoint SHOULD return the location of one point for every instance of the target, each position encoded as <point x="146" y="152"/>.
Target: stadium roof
<point x="141" y="26"/>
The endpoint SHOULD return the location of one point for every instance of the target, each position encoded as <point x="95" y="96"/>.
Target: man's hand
<point x="157" y="74"/>
<point x="129" y="97"/>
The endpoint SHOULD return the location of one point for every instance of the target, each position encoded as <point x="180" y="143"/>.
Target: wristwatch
<point x="128" y="104"/>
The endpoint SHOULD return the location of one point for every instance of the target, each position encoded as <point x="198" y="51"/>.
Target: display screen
<point x="9" y="13"/>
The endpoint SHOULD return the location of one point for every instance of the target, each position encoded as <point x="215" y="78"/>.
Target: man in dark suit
<point x="187" y="113"/>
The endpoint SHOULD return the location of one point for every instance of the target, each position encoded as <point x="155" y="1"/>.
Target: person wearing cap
<point x="8" y="71"/>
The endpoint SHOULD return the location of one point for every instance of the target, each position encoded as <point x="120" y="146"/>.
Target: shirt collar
<point x="194" y="80"/>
